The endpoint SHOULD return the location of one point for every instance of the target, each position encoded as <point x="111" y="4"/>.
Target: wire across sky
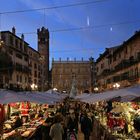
<point x="103" y="20"/>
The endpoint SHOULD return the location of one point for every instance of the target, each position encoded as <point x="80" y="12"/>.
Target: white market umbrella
<point x="8" y="96"/>
<point x="123" y="93"/>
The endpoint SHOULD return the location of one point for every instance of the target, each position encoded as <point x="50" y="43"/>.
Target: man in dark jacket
<point x="86" y="126"/>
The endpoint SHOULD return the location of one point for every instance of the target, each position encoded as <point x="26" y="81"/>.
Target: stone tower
<point x="43" y="48"/>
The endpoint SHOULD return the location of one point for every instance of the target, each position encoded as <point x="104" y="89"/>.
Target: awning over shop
<point x="7" y="96"/>
<point x="126" y="94"/>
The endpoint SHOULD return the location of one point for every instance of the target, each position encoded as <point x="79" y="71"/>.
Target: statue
<point x="73" y="91"/>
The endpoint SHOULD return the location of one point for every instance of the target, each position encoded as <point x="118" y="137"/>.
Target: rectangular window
<point x="26" y="58"/>
<point x="138" y="55"/>
<point x="21" y="78"/>
<point x="102" y="66"/>
<point x="16" y="43"/>
<point x="11" y="52"/>
<point x="35" y="65"/>
<point x="3" y="37"/>
<point x="42" y="40"/>
<point x="17" y="78"/>
<point x="25" y="49"/>
<point x="19" y="55"/>
<point x="114" y="58"/>
<point x="35" y="73"/>
<point x="25" y="79"/>
<point x="21" y="49"/>
<point x="126" y="49"/>
<point x="11" y="40"/>
<point x="35" y="81"/>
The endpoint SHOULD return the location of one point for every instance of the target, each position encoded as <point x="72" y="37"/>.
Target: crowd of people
<point x="65" y="123"/>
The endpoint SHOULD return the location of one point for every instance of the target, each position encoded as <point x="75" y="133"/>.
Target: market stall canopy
<point x="126" y="94"/>
<point x="36" y="98"/>
<point x="7" y="96"/>
<point x="82" y="96"/>
<point x="55" y="94"/>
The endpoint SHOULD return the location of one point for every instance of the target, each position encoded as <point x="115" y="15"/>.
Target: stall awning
<point x="126" y="94"/>
<point x="7" y="96"/>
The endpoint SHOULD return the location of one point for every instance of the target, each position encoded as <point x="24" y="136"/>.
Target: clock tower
<point x="43" y="49"/>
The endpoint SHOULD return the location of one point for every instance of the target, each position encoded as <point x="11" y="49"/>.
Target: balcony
<point x="21" y="68"/>
<point x="126" y="63"/>
<point x="133" y="78"/>
<point x="106" y="72"/>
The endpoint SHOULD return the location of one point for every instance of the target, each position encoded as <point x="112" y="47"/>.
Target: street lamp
<point x="34" y="86"/>
<point x="55" y="89"/>
<point x="116" y="85"/>
<point x="96" y="89"/>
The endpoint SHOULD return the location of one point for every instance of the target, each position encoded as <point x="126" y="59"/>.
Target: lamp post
<point x="34" y="86"/>
<point x="96" y="89"/>
<point x="116" y="86"/>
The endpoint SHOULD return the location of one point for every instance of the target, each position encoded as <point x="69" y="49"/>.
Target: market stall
<point x="115" y="113"/>
<point x="25" y="112"/>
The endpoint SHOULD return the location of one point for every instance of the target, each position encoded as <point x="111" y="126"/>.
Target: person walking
<point x="86" y="126"/>
<point x="56" y="131"/>
<point x="72" y="125"/>
<point x="45" y="129"/>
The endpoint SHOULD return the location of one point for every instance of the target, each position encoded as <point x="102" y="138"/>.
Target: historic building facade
<point x="34" y="69"/>
<point x="63" y="73"/>
<point x="24" y="67"/>
<point x="119" y="66"/>
<point x="16" y="74"/>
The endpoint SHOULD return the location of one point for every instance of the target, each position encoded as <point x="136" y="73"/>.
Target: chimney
<point x="82" y="59"/>
<point x="75" y="59"/>
<point x="60" y="59"/>
<point x="22" y="36"/>
<point x="14" y="30"/>
<point x="67" y="58"/>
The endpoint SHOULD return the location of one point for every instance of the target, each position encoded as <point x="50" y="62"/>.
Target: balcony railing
<point x="21" y="68"/>
<point x="122" y="65"/>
